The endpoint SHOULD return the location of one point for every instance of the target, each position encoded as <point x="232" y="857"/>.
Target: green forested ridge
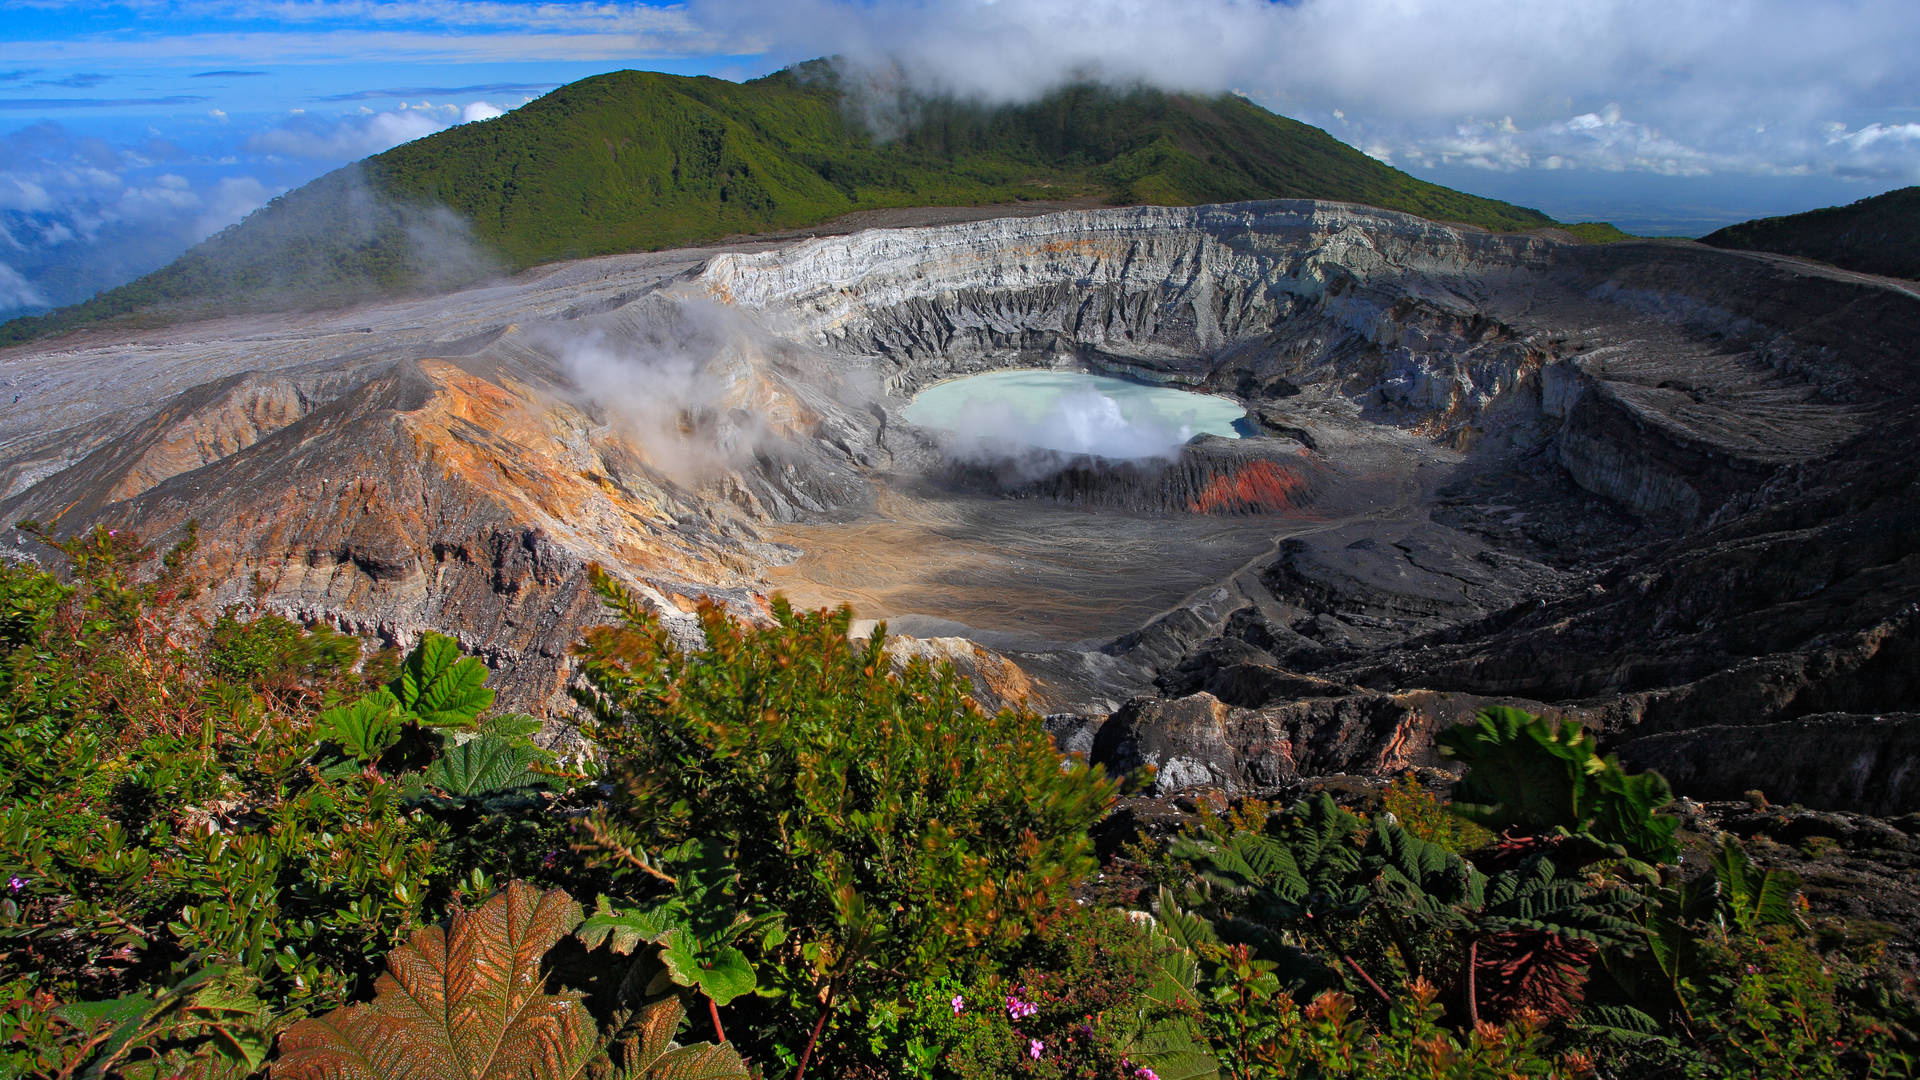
<point x="633" y="161"/>
<point x="1880" y="235"/>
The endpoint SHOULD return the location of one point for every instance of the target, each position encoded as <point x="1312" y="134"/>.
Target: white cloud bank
<point x="1677" y="87"/>
<point x="78" y="215"/>
<point x="349" y="138"/>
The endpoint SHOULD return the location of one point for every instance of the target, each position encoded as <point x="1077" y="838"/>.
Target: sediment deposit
<point x="1666" y="490"/>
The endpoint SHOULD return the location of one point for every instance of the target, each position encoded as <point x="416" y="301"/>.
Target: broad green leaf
<point x="363" y="730"/>
<point x="1519" y="773"/>
<point x="623" y="929"/>
<point x="1175" y="982"/>
<point x="1623" y="1023"/>
<point x="722" y="973"/>
<point x="85" y="1014"/>
<point x="725" y="974"/>
<point x="1188" y="931"/>
<point x="486" y="765"/>
<point x="1532" y="777"/>
<point x="512" y="726"/>
<point x="1754" y="898"/>
<point x="209" y="1024"/>
<point x="438" y="687"/>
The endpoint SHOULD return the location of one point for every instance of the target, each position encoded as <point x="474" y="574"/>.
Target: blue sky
<point x="129" y="131"/>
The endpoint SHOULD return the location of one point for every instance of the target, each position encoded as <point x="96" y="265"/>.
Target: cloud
<point x="303" y="135"/>
<point x="437" y="91"/>
<point x="1879" y="152"/>
<point x="78" y="215"/>
<point x="79" y="80"/>
<point x="1698" y="85"/>
<point x="226" y="75"/>
<point x="1604" y="140"/>
<point x="17" y="293"/>
<point x="37" y="104"/>
<point x="231" y="199"/>
<point x="352" y="138"/>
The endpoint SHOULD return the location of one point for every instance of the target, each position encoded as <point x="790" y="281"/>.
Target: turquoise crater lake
<point x="1070" y="413"/>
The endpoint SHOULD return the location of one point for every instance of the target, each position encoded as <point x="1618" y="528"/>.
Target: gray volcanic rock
<point x="1199" y="741"/>
<point x="1649" y="485"/>
<point x="1833" y="761"/>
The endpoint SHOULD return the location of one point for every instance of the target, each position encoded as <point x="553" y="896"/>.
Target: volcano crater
<point x="1647" y="485"/>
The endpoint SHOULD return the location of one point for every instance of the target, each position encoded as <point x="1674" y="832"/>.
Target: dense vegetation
<point x="1880" y="235"/>
<point x="240" y="846"/>
<point x="636" y="161"/>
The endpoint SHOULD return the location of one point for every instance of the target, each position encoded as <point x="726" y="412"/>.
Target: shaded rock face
<point x="1212" y="475"/>
<point x="1870" y="764"/>
<point x="1654" y="487"/>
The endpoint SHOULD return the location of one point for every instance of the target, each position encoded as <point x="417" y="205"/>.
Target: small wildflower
<point x="1035" y="1048"/>
<point x="1145" y="1073"/>
<point x="1020" y="1010"/>
<point x="16" y="883"/>
<point x="959" y="1004"/>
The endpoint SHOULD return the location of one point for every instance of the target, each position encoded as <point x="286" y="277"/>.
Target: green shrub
<point x="208" y="833"/>
<point x="168" y="804"/>
<point x="1087" y="997"/>
<point x="1424" y="815"/>
<point x="893" y="823"/>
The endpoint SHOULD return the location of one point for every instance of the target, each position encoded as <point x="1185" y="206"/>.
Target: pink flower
<point x="1020" y="1010"/>
<point x="959" y="1004"/>
<point x="1035" y="1048"/>
<point x="1145" y="1073"/>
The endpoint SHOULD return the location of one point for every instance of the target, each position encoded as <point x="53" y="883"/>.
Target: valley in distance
<point x="1525" y="683"/>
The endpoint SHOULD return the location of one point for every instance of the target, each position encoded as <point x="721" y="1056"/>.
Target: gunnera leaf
<point x="624" y="929"/>
<point x="646" y="1051"/>
<point x="438" y="686"/>
<point x="486" y="765"/>
<point x="721" y="972"/>
<point x="466" y="1003"/>
<point x="363" y="730"/>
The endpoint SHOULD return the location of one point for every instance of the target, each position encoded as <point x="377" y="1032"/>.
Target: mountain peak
<point x="638" y="161"/>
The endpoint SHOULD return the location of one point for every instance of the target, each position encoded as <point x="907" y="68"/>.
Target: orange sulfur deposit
<point x="1259" y="487"/>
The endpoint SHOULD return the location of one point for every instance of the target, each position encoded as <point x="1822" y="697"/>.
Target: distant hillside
<point x="1880" y="235"/>
<point x="635" y="161"/>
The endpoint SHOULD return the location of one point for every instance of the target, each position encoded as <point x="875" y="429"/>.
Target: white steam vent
<point x="1070" y="413"/>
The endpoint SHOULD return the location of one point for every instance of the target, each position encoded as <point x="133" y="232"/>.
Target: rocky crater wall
<point x="1630" y="483"/>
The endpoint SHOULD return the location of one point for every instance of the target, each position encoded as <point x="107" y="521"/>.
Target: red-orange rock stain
<point x="1260" y="486"/>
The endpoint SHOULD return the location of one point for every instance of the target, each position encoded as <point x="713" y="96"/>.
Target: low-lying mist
<point x="698" y="387"/>
<point x="669" y="378"/>
<point x="340" y="238"/>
